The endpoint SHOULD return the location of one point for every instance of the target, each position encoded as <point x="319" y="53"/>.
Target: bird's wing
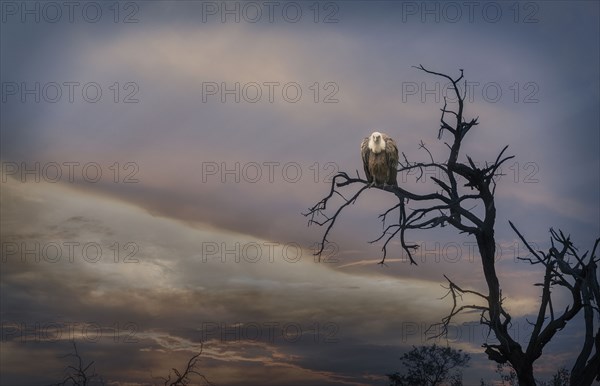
<point x="364" y="153"/>
<point x="391" y="153"/>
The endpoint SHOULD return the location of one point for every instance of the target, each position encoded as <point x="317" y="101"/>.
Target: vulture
<point x="380" y="159"/>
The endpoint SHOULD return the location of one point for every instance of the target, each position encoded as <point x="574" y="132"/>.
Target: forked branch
<point x="183" y="378"/>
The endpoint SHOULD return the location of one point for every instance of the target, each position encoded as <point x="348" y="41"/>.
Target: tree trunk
<point x="525" y="374"/>
<point x="510" y="349"/>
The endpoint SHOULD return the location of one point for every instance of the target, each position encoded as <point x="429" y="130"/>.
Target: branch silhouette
<point x="183" y="378"/>
<point x="80" y="374"/>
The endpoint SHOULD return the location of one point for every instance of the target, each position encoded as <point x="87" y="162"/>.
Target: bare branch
<point x="79" y="374"/>
<point x="457" y="292"/>
<point x="184" y="378"/>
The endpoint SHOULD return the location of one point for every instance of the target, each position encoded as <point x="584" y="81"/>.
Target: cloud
<point x="174" y="275"/>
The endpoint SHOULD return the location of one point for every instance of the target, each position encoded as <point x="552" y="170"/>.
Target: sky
<point x="157" y="158"/>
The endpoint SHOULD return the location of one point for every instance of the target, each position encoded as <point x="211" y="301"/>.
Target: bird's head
<point x="376" y="142"/>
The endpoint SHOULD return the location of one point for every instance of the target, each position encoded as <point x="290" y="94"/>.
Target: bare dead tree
<point x="565" y="268"/>
<point x="80" y="374"/>
<point x="183" y="378"/>
<point x="449" y="203"/>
